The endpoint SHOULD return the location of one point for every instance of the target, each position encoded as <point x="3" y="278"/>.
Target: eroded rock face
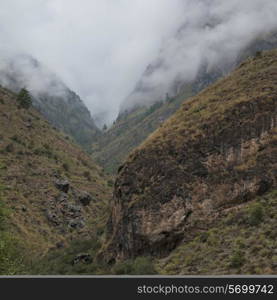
<point x="216" y="153"/>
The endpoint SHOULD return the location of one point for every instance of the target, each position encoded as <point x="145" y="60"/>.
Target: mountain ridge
<point x="61" y="106"/>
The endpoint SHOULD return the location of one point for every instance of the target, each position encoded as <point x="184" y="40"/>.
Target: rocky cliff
<point x="216" y="153"/>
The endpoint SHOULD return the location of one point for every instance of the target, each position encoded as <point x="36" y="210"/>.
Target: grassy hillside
<point x="52" y="190"/>
<point x="131" y="129"/>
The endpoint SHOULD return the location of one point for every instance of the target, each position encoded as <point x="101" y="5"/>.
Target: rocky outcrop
<point x="85" y="198"/>
<point x="62" y="185"/>
<point x="217" y="152"/>
<point x="65" y="210"/>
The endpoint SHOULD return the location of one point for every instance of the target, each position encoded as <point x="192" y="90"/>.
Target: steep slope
<point x="53" y="191"/>
<point x="131" y="129"/>
<point x="61" y="106"/>
<point x="243" y="241"/>
<point x="216" y="153"/>
<point x="139" y="119"/>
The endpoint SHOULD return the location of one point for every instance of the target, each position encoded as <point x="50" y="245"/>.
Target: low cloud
<point x="213" y="34"/>
<point x="100" y="48"/>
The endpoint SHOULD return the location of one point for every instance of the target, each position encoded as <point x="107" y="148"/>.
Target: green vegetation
<point x="237" y="259"/>
<point x="234" y="245"/>
<point x="256" y="214"/>
<point x="11" y="259"/>
<point x="139" y="266"/>
<point x="61" y="261"/>
<point x="65" y="261"/>
<point x="24" y="99"/>
<point x="32" y="156"/>
<point x="131" y="129"/>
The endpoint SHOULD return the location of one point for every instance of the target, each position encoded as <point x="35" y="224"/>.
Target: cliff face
<point x="217" y="152"/>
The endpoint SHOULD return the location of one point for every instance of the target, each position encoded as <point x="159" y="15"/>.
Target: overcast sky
<point x="100" y="48"/>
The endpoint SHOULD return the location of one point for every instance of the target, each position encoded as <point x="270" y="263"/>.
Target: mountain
<point x="138" y="120"/>
<point x="51" y="192"/>
<point x="204" y="184"/>
<point x="62" y="107"/>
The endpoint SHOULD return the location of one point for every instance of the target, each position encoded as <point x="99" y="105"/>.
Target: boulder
<point x="62" y="197"/>
<point x="62" y="185"/>
<point x="53" y="218"/>
<point x="85" y="198"/>
<point x="76" y="223"/>
<point x="82" y="258"/>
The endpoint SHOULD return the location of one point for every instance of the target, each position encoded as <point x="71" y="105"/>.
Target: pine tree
<point x="24" y="99"/>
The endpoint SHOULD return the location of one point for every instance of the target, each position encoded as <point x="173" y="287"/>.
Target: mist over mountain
<point x="103" y="57"/>
<point x="62" y="107"/>
<point x="212" y="37"/>
<point x="98" y="48"/>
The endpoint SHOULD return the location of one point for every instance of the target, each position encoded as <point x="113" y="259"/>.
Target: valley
<point x="184" y="186"/>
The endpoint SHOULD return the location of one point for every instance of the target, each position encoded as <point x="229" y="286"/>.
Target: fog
<point x="213" y="33"/>
<point x="100" y="49"/>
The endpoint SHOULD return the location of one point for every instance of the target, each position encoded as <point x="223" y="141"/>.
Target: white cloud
<point x="214" y="32"/>
<point x="101" y="47"/>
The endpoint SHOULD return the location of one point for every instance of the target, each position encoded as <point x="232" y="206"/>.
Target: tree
<point x="24" y="99"/>
<point x="105" y="127"/>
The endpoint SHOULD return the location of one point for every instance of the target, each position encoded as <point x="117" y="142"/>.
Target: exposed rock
<point x="23" y="208"/>
<point x="60" y="245"/>
<point x="53" y="218"/>
<point x="62" y="197"/>
<point x="63" y="185"/>
<point x="85" y="198"/>
<point x="73" y="211"/>
<point x="76" y="223"/>
<point x="82" y="258"/>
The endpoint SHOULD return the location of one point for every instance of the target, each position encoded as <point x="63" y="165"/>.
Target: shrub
<point x="144" y="266"/>
<point x="10" y="258"/>
<point x="256" y="214"/>
<point x="237" y="259"/>
<point x="139" y="266"/>
<point x="110" y="183"/>
<point x="258" y="54"/>
<point x="9" y="148"/>
<point x="125" y="267"/>
<point x="66" y="166"/>
<point x="24" y="99"/>
<point x="87" y="175"/>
